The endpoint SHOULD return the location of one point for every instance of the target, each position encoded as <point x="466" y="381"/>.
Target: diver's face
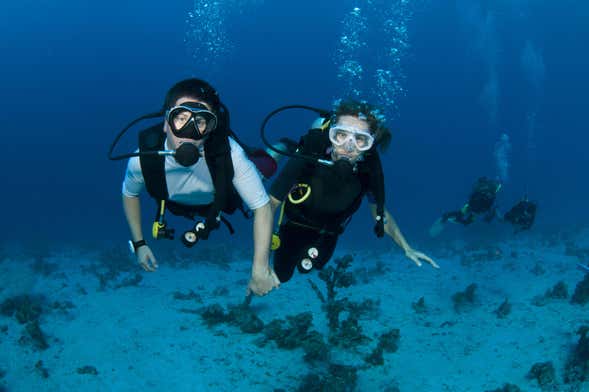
<point x="174" y="141"/>
<point x="349" y="151"/>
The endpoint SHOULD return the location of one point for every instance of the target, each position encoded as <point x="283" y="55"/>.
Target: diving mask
<point x="191" y="120"/>
<point x="341" y="135"/>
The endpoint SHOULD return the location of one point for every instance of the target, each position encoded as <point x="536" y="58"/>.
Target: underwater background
<point x="469" y="88"/>
<point x="74" y="73"/>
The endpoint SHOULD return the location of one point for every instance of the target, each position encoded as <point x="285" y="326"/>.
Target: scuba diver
<point x="323" y="183"/>
<point x="169" y="166"/>
<point x="480" y="202"/>
<point x="521" y="215"/>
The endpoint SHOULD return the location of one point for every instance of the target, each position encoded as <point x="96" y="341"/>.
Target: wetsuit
<point x="522" y="215"/>
<point x="481" y="201"/>
<point x="318" y="220"/>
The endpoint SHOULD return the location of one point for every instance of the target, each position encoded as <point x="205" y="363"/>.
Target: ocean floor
<point x="91" y="320"/>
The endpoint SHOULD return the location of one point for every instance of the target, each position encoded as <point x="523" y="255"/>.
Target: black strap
<point x="218" y="158"/>
<point x="220" y="164"/>
<point x="138" y="244"/>
<point x="153" y="166"/>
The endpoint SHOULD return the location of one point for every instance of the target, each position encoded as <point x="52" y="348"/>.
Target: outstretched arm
<point x="392" y="229"/>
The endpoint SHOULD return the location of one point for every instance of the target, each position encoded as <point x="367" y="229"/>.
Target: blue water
<point x="73" y="73"/>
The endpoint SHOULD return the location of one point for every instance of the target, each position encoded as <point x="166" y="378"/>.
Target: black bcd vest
<point x="218" y="159"/>
<point x="316" y="142"/>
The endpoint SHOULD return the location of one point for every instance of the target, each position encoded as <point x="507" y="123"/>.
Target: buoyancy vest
<point x="219" y="162"/>
<point x="329" y="213"/>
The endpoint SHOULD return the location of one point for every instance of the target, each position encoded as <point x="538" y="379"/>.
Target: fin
<point x="436" y="228"/>
<point x="582" y="267"/>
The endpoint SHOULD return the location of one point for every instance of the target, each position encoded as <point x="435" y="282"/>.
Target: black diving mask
<point x="191" y="120"/>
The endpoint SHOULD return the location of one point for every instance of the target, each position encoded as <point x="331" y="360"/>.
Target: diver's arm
<point x="275" y="204"/>
<point x="262" y="236"/>
<point x="145" y="257"/>
<point x="133" y="185"/>
<point x="263" y="277"/>
<point x="392" y="229"/>
<point x="132" y="207"/>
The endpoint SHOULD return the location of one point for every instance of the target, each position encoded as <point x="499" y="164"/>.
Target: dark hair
<point x="195" y="88"/>
<point x="371" y="114"/>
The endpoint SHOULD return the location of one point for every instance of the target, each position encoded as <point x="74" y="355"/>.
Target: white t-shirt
<point x="193" y="185"/>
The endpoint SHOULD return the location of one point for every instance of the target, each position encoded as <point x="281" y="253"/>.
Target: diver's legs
<point x="325" y="246"/>
<point x="294" y="242"/>
<point x="452" y="216"/>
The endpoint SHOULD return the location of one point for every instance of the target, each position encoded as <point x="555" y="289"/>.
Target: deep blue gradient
<point x="73" y="73"/>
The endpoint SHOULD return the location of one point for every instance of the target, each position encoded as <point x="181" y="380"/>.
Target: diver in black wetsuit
<point x="316" y="201"/>
<point x="480" y="202"/>
<point x="521" y="215"/>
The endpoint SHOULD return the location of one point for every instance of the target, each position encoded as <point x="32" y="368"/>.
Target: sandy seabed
<point x="142" y="337"/>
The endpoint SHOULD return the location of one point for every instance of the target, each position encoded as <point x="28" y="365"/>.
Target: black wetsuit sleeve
<point x="287" y="178"/>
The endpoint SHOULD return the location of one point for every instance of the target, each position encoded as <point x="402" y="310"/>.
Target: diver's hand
<point x="379" y="228"/>
<point x="417" y="256"/>
<point x="262" y="282"/>
<point x="146" y="259"/>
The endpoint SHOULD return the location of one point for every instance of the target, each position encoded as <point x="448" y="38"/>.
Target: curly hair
<point x="371" y="114"/>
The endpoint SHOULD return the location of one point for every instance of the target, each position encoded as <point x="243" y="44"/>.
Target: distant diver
<point x="521" y="215"/>
<point x="481" y="202"/>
